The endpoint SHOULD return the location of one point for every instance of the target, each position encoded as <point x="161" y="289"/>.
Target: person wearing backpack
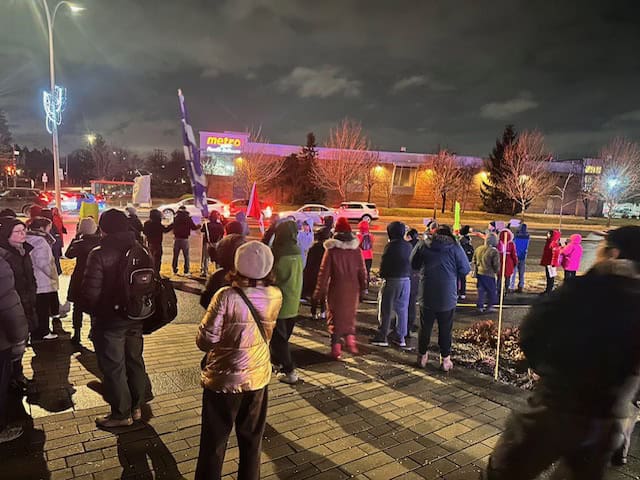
<point x="366" y="246"/>
<point x="236" y="370"/>
<point x="117" y="338"/>
<point x="465" y="243"/>
<point x="521" y="240"/>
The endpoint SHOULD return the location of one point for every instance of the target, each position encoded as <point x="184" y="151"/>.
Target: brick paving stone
<point x="367" y="463"/>
<point x="436" y="468"/>
<point x="470" y="454"/>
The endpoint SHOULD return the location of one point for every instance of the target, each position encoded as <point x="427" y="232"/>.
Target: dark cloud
<point x="419" y="73"/>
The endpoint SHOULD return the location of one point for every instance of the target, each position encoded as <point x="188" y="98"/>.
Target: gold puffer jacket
<point x="237" y="357"/>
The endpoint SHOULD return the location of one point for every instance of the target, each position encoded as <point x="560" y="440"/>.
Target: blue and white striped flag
<point x="192" y="157"/>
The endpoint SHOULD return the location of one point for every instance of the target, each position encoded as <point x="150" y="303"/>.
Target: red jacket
<point x="363" y="226"/>
<point x="551" y="251"/>
<point x="511" y="259"/>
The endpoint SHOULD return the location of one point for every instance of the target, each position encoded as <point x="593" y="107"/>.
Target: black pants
<point x="462" y="285"/>
<point x="220" y="412"/>
<point x="569" y="274"/>
<point x="6" y="368"/>
<point x="413" y="298"/>
<point x="47" y="304"/>
<point x="76" y="316"/>
<point x="445" y="324"/>
<point x="550" y="281"/>
<point x="156" y="252"/>
<point x="367" y="263"/>
<point x="314" y="306"/>
<point x="280" y="351"/>
<point x="119" y="355"/>
<point x="535" y="439"/>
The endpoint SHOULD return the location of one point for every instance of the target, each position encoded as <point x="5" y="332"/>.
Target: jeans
<point x="540" y="436"/>
<point x="413" y="299"/>
<point x="46" y="304"/>
<point x="119" y="355"/>
<point x="445" y="325"/>
<point x="204" y="260"/>
<point x="6" y="365"/>
<point x="280" y="351"/>
<point x="368" y="262"/>
<point x="180" y="245"/>
<point x="393" y="301"/>
<point x="486" y="287"/>
<point x="520" y="270"/>
<point x="156" y="252"/>
<point x="220" y="412"/>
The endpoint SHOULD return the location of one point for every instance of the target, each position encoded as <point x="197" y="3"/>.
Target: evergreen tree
<point x="6" y="140"/>
<point x="296" y="175"/>
<point x="494" y="200"/>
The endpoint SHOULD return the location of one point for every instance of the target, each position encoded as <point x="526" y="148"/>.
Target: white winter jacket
<point x="44" y="265"/>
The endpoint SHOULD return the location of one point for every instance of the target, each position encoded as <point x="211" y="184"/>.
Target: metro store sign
<point x="225" y="142"/>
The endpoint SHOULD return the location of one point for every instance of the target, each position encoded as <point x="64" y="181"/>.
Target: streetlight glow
<point x="91" y="138"/>
<point x="612" y="182"/>
<point x="76" y="8"/>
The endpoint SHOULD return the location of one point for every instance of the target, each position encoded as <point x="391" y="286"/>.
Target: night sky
<point x="419" y="74"/>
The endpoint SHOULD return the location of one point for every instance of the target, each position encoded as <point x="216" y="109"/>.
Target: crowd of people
<point x="253" y="299"/>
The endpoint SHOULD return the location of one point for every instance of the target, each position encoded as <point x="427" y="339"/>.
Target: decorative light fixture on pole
<point x="54" y="100"/>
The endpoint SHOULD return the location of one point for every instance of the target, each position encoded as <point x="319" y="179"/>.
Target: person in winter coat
<point x="14" y="331"/>
<point x="327" y="226"/>
<point x="235" y="334"/>
<point x="117" y="339"/>
<point x="234" y="228"/>
<point x="366" y="246"/>
<point x="7" y="212"/>
<point x="241" y="217"/>
<point x="441" y="262"/>
<point x="551" y="258"/>
<point x="395" y="271"/>
<point x="182" y="227"/>
<point x="310" y="275"/>
<point x="212" y="233"/>
<point x="571" y="255"/>
<point x="522" y="248"/>
<point x="154" y="230"/>
<point x="86" y="240"/>
<point x="505" y="244"/>
<point x="56" y="246"/>
<point x="576" y="413"/>
<point x="269" y="235"/>
<point x="34" y="212"/>
<point x="288" y="272"/>
<point x="305" y="240"/>
<point x="413" y="239"/>
<point x="134" y="223"/>
<point x="58" y="223"/>
<point x="224" y="257"/>
<point x="486" y="264"/>
<point x="342" y="281"/>
<point x="44" y="269"/>
<point x="15" y="251"/>
<point x="465" y="243"/>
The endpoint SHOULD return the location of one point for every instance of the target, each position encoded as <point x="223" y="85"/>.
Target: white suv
<point x="358" y="211"/>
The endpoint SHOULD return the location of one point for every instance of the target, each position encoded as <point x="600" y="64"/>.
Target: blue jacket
<point x="395" y="258"/>
<point x="441" y="263"/>
<point x="522" y="242"/>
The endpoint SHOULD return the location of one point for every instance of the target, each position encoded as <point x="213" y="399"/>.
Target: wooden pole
<point x="502" y="289"/>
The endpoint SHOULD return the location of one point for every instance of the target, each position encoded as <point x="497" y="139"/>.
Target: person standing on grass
<point x="509" y="261"/>
<point x="441" y="262"/>
<point x="305" y="240"/>
<point x="288" y="272"/>
<point x="550" y="259"/>
<point x="366" y="246"/>
<point x="413" y="239"/>
<point x="393" y="298"/>
<point x="342" y="281"/>
<point x="486" y="265"/>
<point x="521" y="241"/>
<point x="154" y="230"/>
<point x="236" y="370"/>
<point x="86" y="240"/>
<point x="310" y="276"/>
<point x="44" y="269"/>
<point x="182" y="226"/>
<point x="465" y="243"/>
<point x="571" y="255"/>
<point x="588" y="361"/>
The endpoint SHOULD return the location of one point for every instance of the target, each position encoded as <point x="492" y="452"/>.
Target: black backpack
<point x="468" y="249"/>
<point x="365" y="244"/>
<point x="139" y="283"/>
<point x="166" y="304"/>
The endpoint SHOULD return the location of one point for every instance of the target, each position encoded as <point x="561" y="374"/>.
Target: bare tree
<point x="445" y="174"/>
<point x="465" y="182"/>
<point x="370" y="173"/>
<point x="384" y="184"/>
<point x="526" y="172"/>
<point x="562" y="192"/>
<point x="256" y="165"/>
<point x="346" y="158"/>
<point x="620" y="177"/>
<point x="102" y="156"/>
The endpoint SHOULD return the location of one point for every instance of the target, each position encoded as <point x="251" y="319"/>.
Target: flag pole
<point x="502" y="289"/>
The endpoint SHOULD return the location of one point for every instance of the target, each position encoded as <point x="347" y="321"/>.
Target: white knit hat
<point x="254" y="260"/>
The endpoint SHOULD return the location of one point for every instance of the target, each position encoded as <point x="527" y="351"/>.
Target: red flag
<point x="253" y="209"/>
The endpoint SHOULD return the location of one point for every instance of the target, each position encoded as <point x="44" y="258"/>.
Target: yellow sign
<point x="236" y="142"/>
<point x="593" y="169"/>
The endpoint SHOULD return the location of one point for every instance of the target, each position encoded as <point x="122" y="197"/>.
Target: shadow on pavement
<point x="50" y="364"/>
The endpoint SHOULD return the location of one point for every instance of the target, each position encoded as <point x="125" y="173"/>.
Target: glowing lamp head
<point x="612" y="182"/>
<point x="76" y="8"/>
<point x="91" y="138"/>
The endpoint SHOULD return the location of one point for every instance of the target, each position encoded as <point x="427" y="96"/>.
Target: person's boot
<point x="75" y="339"/>
<point x="422" y="360"/>
<point x="351" y="344"/>
<point x="336" y="351"/>
<point x="108" y="422"/>
<point x="446" y="363"/>
<point x="9" y="434"/>
<point x="290" y="378"/>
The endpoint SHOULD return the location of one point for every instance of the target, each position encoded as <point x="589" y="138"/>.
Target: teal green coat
<point x="288" y="271"/>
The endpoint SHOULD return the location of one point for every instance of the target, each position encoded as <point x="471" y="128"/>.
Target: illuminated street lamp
<point x="91" y="138"/>
<point x="54" y="99"/>
<point x="612" y="183"/>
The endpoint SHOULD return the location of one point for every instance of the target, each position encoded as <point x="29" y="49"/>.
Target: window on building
<point x="405" y="176"/>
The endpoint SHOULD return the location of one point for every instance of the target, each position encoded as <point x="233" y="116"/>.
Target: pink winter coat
<point x="571" y="255"/>
<point x="511" y="260"/>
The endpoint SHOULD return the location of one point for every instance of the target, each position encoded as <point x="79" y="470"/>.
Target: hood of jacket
<point x="442" y="242"/>
<point x="155" y="215"/>
<point x="555" y="236"/>
<point x="342" y="244"/>
<point x="506" y="235"/>
<point x="396" y="231"/>
<point x="619" y="267"/>
<point x="286" y="241"/>
<point x="576" y="238"/>
<point x="523" y="231"/>
<point x="38" y="241"/>
<point x="119" y="241"/>
<point x="47" y="237"/>
<point x="226" y="250"/>
<point x="491" y="240"/>
<point x="364" y="227"/>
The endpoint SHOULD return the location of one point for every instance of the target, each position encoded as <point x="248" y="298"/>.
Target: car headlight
<point x="268" y="212"/>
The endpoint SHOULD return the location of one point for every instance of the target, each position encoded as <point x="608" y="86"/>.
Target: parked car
<point x="20" y="200"/>
<point x="169" y="210"/>
<point x="358" y="211"/>
<point x="310" y="212"/>
<point x="72" y="200"/>
<point x="240" y="205"/>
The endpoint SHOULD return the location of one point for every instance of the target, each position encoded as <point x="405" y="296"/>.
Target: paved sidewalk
<point x="373" y="416"/>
